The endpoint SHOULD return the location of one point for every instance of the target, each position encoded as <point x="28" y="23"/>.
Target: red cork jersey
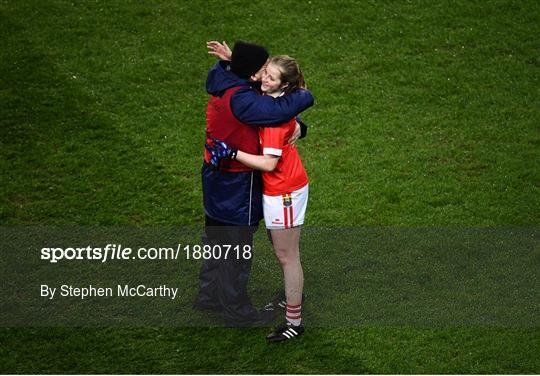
<point x="289" y="174"/>
<point x="223" y="125"/>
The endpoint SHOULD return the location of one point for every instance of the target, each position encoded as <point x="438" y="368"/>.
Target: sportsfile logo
<point x="109" y="252"/>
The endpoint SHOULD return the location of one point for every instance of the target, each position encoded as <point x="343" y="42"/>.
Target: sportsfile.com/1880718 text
<point x="116" y="252"/>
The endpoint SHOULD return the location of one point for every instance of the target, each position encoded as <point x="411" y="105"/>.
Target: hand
<point x="219" y="150"/>
<point x="296" y="134"/>
<point x="222" y="51"/>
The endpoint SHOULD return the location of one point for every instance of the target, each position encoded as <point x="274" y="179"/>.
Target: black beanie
<point x="247" y="59"/>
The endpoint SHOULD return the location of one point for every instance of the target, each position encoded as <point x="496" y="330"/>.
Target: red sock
<point x="293" y="314"/>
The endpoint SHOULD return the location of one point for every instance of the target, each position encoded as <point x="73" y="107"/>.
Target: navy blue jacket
<point x="236" y="197"/>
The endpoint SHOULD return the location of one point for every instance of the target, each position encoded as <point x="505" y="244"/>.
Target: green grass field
<point x="426" y="115"/>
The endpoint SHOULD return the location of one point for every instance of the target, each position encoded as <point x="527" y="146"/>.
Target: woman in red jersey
<point x="285" y="190"/>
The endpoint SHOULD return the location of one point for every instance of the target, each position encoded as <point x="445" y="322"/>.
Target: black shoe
<point x="212" y="307"/>
<point x="279" y="302"/>
<point x="264" y="318"/>
<point x="267" y="316"/>
<point x="239" y="324"/>
<point x="285" y="332"/>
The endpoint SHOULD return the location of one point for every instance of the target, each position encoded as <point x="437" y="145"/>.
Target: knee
<point x="281" y="256"/>
<point x="286" y="256"/>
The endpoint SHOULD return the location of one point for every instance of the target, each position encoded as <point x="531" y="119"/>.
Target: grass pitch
<point x="426" y="115"/>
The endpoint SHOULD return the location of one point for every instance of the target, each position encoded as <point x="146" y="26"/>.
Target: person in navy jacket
<point x="232" y="194"/>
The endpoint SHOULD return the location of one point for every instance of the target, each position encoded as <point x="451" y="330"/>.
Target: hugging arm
<point x="300" y="131"/>
<point x="247" y="104"/>
<point x="252" y="108"/>
<point x="258" y="162"/>
<point x="220" y="150"/>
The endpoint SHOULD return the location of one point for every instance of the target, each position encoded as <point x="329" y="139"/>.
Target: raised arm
<point x="221" y="51"/>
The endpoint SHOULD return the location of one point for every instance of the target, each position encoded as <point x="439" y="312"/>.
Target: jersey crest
<point x="287" y="200"/>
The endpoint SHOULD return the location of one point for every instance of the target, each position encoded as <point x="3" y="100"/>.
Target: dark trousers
<point x="223" y="282"/>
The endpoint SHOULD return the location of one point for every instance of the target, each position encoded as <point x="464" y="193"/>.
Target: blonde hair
<point x="290" y="73"/>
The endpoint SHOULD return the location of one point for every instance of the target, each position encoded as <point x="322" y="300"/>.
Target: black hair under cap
<point x="247" y="59"/>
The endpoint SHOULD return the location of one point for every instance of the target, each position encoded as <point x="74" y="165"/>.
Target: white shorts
<point x="285" y="211"/>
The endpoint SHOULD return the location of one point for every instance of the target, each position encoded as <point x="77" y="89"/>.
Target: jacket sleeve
<point x="250" y="107"/>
